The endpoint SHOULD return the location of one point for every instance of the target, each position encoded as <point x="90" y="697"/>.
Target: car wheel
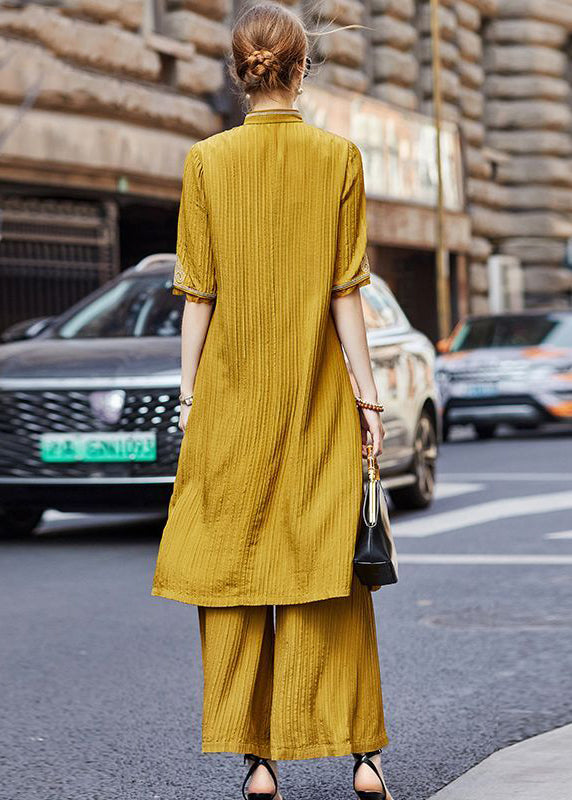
<point x="420" y="493"/>
<point x="485" y="431"/>
<point x="17" y="521"/>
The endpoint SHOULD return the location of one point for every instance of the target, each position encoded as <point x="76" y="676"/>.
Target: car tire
<point x="485" y="430"/>
<point x="420" y="494"/>
<point x="18" y="522"/>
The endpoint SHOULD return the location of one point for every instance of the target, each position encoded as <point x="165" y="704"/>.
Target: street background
<point x="101" y="683"/>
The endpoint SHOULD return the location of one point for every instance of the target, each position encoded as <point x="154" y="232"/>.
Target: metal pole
<point x="442" y="256"/>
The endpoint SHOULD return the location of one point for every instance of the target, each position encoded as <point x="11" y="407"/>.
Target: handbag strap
<point x="377" y="489"/>
<point x="373" y="469"/>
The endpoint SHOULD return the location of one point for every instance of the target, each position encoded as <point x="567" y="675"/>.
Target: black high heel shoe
<point x="364" y="758"/>
<point x="256" y="762"/>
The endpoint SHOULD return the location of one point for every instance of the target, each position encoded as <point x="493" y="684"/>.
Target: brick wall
<point x="107" y="96"/>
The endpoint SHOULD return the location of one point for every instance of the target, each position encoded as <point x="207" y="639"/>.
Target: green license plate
<point x="116" y="446"/>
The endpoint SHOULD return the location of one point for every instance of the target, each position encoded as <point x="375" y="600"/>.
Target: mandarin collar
<point x="273" y="115"/>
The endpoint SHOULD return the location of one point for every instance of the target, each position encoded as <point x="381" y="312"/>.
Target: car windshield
<point x="138" y="306"/>
<point x="379" y="309"/>
<point x="144" y="305"/>
<point x="517" y="331"/>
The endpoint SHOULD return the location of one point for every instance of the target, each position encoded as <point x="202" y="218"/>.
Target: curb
<point x="540" y="767"/>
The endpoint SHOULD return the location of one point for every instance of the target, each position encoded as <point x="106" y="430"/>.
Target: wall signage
<point x="397" y="146"/>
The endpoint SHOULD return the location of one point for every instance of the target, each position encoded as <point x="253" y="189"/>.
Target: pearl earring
<point x="300" y="90"/>
<point x="247" y="96"/>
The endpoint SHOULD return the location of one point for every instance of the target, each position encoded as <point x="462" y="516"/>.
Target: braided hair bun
<point x="259" y="63"/>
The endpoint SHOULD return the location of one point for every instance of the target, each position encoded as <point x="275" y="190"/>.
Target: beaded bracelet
<point x="372" y="406"/>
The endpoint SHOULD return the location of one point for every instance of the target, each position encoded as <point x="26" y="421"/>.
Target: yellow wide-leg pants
<point x="306" y="686"/>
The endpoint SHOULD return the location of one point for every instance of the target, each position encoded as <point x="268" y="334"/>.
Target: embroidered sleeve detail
<point x="180" y="287"/>
<point x="190" y="295"/>
<point x="362" y="279"/>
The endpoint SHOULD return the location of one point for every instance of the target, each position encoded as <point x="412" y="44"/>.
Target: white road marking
<point x="559" y="535"/>
<point x="54" y="521"/>
<point x="476" y="558"/>
<point x="452" y="489"/>
<point x="480" y="513"/>
<point x="504" y="476"/>
<point x="52" y="515"/>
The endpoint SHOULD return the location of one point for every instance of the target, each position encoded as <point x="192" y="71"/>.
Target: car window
<point x="145" y="306"/>
<point x="518" y="331"/>
<point x="561" y="334"/>
<point x="474" y="334"/>
<point x="138" y="306"/>
<point x="379" y="308"/>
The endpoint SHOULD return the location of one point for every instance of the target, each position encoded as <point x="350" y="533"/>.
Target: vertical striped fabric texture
<point x="267" y="496"/>
<point x="308" y="688"/>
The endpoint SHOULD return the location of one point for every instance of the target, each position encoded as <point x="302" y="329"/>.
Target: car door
<point x="387" y="330"/>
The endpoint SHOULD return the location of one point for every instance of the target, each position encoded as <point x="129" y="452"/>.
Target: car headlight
<point x="544" y="371"/>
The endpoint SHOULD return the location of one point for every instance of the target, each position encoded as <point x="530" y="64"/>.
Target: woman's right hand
<point x="184" y="416"/>
<point x="371" y="423"/>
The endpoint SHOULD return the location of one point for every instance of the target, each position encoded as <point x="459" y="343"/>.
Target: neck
<point x="270" y="103"/>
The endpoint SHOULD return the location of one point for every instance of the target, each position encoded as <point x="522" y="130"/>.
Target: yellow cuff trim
<point x="181" y="287"/>
<point x="361" y="277"/>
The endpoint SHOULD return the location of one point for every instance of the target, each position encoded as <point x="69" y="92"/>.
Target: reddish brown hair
<point x="269" y="46"/>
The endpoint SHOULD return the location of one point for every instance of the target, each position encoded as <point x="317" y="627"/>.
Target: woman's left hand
<point x="184" y="416"/>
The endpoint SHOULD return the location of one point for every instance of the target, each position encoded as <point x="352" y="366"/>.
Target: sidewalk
<point x="540" y="767"/>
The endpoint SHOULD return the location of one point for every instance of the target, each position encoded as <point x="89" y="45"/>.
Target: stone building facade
<point x="101" y="99"/>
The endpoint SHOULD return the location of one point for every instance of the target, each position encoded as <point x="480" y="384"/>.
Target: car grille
<point x="492" y="373"/>
<point x="25" y="415"/>
<point x="495" y="400"/>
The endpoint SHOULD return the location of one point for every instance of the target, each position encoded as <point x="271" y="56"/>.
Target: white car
<point x="513" y="368"/>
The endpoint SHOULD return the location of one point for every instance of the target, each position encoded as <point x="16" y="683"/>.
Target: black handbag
<point x="375" y="558"/>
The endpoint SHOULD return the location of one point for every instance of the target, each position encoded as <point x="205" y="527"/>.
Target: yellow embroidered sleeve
<point x="352" y="265"/>
<point x="194" y="274"/>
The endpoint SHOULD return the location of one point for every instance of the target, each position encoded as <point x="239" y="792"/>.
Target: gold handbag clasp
<point x="372" y="465"/>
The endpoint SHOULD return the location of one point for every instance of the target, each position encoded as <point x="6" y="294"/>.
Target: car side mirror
<point x="27" y="329"/>
<point x="442" y="346"/>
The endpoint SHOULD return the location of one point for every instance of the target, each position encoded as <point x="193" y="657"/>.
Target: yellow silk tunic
<point x="267" y="497"/>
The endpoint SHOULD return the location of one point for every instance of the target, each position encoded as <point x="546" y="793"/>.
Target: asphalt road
<point x="100" y="683"/>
